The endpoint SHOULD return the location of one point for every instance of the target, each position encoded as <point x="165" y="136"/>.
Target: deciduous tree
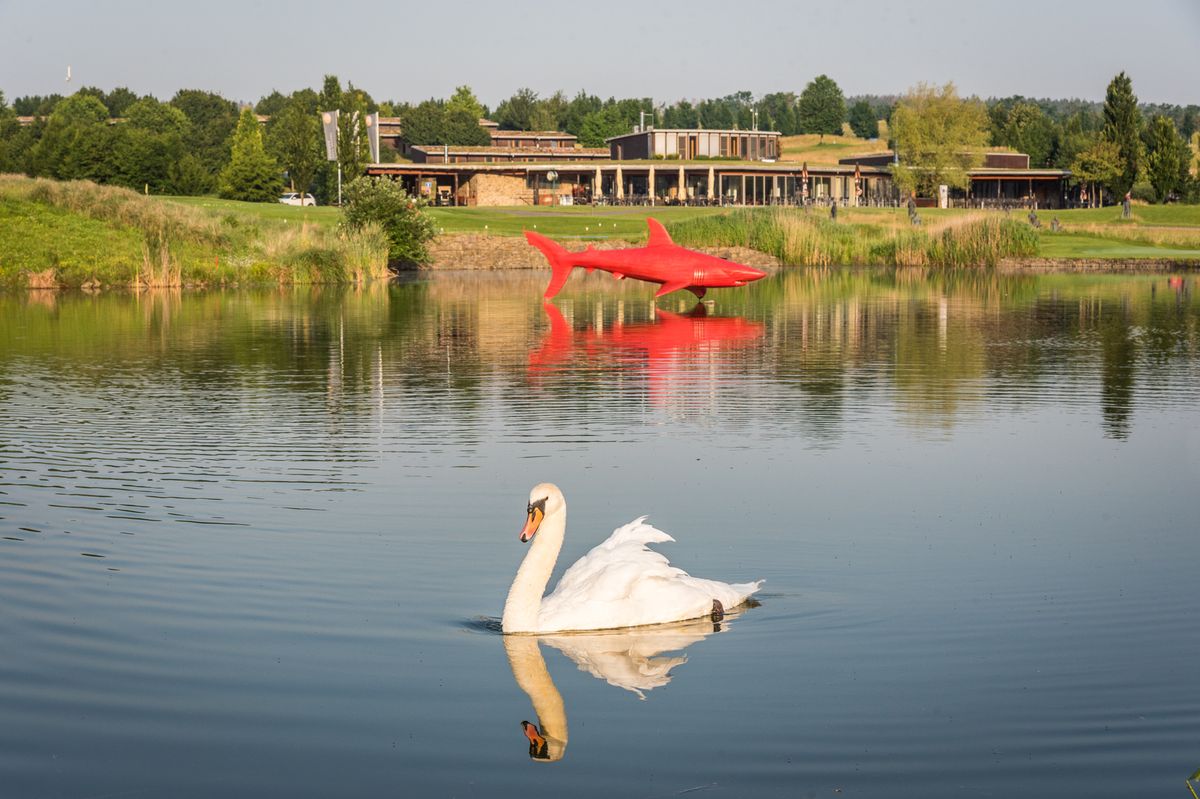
<point x="822" y="108"/>
<point x="1098" y="165"/>
<point x="77" y="121"/>
<point x="213" y="119"/>
<point x="294" y="139"/>
<point x="1166" y="156"/>
<point x="939" y="137"/>
<point x="465" y="100"/>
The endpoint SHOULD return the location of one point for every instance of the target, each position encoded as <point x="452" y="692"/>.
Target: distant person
<point x="912" y="205"/>
<point x="1033" y="218"/>
<point x="833" y="210"/>
<point x="1054" y="226"/>
<point x="1127" y="206"/>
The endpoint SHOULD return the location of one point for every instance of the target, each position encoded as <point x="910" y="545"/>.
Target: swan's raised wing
<point x="621" y="582"/>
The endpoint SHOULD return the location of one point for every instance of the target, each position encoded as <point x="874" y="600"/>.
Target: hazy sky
<point x="694" y="49"/>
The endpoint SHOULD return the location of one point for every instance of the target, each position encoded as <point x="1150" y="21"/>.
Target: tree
<point x="425" y="123"/>
<point x="1166" y="156"/>
<point x="213" y="119"/>
<point x="1023" y="127"/>
<point x="517" y="112"/>
<point x="1099" y="164"/>
<point x="8" y="137"/>
<point x="1122" y="126"/>
<point x="601" y="125"/>
<point x="251" y="174"/>
<point x="188" y="176"/>
<point x="863" y="121"/>
<point x="777" y="111"/>
<point x="76" y="121"/>
<point x="353" y="150"/>
<point x="294" y="139"/>
<point x="577" y="109"/>
<point x="822" y="108"/>
<point x="272" y="104"/>
<point x="118" y="100"/>
<point x="1078" y="132"/>
<point x="462" y="128"/>
<point x="383" y="201"/>
<point x="939" y="138"/>
<point x="152" y="116"/>
<point x="465" y="100"/>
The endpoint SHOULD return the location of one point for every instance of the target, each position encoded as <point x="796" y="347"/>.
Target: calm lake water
<point x="256" y="543"/>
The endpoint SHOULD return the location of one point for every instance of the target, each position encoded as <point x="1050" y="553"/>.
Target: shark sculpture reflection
<point x="660" y="261"/>
<point x="637" y="659"/>
<point x="661" y="348"/>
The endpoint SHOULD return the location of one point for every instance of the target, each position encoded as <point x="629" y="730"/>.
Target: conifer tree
<point x="1122" y="127"/>
<point x="251" y="174"/>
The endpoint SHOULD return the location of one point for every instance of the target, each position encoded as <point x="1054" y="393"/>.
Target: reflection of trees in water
<point x="799" y="350"/>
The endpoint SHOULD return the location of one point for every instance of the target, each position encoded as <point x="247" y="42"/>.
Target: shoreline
<point x="484" y="252"/>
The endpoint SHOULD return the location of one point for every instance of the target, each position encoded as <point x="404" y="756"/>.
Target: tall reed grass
<point x="183" y="245"/>
<point x="806" y="239"/>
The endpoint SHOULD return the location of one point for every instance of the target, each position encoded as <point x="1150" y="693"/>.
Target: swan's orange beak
<point x="537" y="743"/>
<point x="531" y="732"/>
<point x="536" y="514"/>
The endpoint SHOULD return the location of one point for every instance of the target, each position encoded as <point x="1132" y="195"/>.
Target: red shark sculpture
<point x="660" y="261"/>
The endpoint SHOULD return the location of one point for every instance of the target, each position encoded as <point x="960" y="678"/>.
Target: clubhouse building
<point x="688" y="167"/>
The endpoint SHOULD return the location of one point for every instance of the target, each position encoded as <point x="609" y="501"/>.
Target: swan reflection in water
<point x="636" y="659"/>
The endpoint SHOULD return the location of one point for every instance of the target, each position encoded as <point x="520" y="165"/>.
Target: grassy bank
<point x="79" y="234"/>
<point x="1158" y="232"/>
<point x="811" y="239"/>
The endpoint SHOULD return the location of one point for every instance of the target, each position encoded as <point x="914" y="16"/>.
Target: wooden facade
<point x="690" y="144"/>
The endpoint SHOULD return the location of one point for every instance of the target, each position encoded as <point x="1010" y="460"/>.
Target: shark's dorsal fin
<point x="658" y="234"/>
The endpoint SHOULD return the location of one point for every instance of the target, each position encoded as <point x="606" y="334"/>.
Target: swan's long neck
<point x="525" y="595"/>
<point x="529" y="670"/>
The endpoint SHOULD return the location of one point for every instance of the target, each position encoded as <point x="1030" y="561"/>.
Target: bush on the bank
<point x="382" y="201"/>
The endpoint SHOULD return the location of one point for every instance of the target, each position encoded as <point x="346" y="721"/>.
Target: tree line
<point x="199" y="142"/>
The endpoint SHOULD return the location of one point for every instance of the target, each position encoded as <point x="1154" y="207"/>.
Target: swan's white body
<point x="619" y="583"/>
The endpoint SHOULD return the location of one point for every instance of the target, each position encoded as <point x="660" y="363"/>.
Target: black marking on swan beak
<point x="718" y="610"/>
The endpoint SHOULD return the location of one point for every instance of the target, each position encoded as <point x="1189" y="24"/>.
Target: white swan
<point x="620" y="583"/>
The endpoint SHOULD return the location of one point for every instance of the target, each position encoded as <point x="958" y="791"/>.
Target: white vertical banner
<point x="329" y="121"/>
<point x="373" y="136"/>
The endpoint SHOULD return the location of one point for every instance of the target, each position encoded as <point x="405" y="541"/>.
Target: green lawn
<point x="326" y="215"/>
<point x="1075" y="245"/>
<point x="1149" y="215"/>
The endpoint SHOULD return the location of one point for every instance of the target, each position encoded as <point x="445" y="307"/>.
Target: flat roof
<point x="729" y="131"/>
<point x="722" y="167"/>
<point x="530" y="134"/>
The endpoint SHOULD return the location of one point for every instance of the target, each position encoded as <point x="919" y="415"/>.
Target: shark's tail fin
<point x="559" y="258"/>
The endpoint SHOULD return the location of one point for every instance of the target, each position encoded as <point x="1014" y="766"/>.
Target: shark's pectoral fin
<point x="667" y="288"/>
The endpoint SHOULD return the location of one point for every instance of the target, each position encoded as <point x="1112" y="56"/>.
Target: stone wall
<point x="485" y="189"/>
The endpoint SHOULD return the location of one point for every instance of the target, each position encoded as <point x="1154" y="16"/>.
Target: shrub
<point x="382" y="201"/>
<point x="1144" y="192"/>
